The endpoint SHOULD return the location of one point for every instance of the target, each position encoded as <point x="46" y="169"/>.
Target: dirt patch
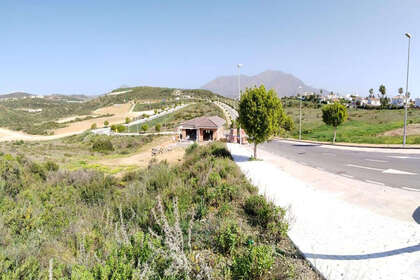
<point x="174" y="154"/>
<point x="412" y="129"/>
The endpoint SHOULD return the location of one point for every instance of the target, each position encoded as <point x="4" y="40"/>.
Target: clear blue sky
<point x="50" y="46"/>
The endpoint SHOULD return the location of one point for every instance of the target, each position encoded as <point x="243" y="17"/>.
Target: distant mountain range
<point x="284" y="84"/>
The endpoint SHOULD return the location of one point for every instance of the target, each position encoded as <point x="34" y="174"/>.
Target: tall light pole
<point x="239" y="96"/>
<point x="408" y="35"/>
<point x="300" y="113"/>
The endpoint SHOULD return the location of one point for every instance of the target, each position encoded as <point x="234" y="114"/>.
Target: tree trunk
<point x="335" y="134"/>
<point x="255" y="150"/>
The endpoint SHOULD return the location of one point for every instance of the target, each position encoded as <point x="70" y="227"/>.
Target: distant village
<point x="356" y="101"/>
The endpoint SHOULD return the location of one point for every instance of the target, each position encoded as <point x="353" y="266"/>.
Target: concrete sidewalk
<point x="342" y="240"/>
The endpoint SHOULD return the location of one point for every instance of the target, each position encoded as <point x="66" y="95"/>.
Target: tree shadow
<point x="416" y="215"/>
<point x="240" y="158"/>
<point x="410" y="249"/>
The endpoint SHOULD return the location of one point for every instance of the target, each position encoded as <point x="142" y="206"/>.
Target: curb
<point x="342" y="144"/>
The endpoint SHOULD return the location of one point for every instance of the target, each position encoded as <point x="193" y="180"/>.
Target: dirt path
<point x="143" y="157"/>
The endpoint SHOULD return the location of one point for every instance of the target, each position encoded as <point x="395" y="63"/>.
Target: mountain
<point x="284" y="84"/>
<point x="15" y="95"/>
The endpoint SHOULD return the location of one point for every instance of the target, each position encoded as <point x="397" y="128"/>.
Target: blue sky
<point x="49" y="46"/>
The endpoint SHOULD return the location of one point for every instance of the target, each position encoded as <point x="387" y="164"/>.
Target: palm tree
<point x="371" y="94"/>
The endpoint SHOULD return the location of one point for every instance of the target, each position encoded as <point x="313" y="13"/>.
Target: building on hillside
<point x="398" y="101"/>
<point x="374" y="102"/>
<point x="202" y="129"/>
<point x="417" y="103"/>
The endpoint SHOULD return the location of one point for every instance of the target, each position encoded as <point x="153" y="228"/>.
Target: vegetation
<point x="163" y="222"/>
<point x="362" y="126"/>
<point x="260" y="114"/>
<point x="334" y="115"/>
<point x="171" y="121"/>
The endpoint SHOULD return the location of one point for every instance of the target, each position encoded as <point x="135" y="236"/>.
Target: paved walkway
<point x="342" y="240"/>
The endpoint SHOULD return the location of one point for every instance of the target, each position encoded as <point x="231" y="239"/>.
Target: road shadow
<point x="410" y="249"/>
<point x="416" y="215"/>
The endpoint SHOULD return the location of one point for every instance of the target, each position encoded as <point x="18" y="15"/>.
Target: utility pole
<point x="300" y="113"/>
<point x="239" y="96"/>
<point x="408" y="35"/>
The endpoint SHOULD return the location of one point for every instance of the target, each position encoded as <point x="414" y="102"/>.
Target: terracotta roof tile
<point x="204" y="122"/>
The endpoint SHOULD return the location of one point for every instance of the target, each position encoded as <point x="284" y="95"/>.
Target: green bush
<point x="51" y="166"/>
<point x="267" y="215"/>
<point x="11" y="175"/>
<point x="228" y="238"/>
<point x="93" y="126"/>
<point x="158" y="127"/>
<point x="254" y="264"/>
<point x="102" y="145"/>
<point x="37" y="169"/>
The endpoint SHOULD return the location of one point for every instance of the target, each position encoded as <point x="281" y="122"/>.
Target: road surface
<point x="393" y="169"/>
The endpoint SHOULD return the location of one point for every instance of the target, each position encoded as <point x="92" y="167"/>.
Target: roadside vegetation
<point x="362" y="125"/>
<point x="197" y="220"/>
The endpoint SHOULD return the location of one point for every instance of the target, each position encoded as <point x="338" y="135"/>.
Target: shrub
<point x="158" y="127"/>
<point x="93" y="126"/>
<point x="106" y="123"/>
<point x="253" y="264"/>
<point x="102" y="145"/>
<point x="51" y="166"/>
<point x="228" y="238"/>
<point x="11" y="175"/>
<point x="267" y="215"/>
<point x="144" y="127"/>
<point x="127" y="120"/>
<point x="37" y="169"/>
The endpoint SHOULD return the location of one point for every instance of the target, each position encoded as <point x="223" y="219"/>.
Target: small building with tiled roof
<point x="202" y="129"/>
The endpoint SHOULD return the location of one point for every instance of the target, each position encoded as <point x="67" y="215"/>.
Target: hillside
<point x="198" y="219"/>
<point x="42" y="115"/>
<point x="284" y="84"/>
<point x="15" y="95"/>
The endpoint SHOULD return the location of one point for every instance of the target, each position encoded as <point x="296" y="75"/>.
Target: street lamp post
<point x="408" y="35"/>
<point x="300" y="113"/>
<point x="239" y="96"/>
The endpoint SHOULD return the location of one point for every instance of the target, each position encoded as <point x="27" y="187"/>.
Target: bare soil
<point x="412" y="129"/>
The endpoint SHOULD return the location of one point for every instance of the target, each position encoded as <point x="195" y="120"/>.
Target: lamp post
<point x="408" y="35"/>
<point x="300" y="113"/>
<point x="239" y="96"/>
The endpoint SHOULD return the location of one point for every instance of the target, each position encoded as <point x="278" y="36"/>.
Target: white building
<point x="375" y="102"/>
<point x="398" y="101"/>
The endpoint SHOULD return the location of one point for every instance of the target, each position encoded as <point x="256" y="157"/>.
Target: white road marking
<point x="411" y="189"/>
<point x="375" y="160"/>
<point x="404" y="157"/>
<point x="386" y="171"/>
<point x="346" y="175"/>
<point x="394" y="171"/>
<point x="374" y="182"/>
<point x="364" y="167"/>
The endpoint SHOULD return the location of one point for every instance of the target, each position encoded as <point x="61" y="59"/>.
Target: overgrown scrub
<point x="162" y="222"/>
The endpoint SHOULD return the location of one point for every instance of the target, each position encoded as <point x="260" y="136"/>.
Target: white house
<point x="417" y="104"/>
<point x="373" y="101"/>
<point x="398" y="101"/>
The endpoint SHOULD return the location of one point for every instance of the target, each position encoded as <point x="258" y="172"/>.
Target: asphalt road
<point x="389" y="169"/>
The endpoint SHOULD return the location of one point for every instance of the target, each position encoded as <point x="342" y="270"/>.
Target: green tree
<point x="127" y="120"/>
<point x="144" y="127"/>
<point x="106" y="123"/>
<point x="384" y="100"/>
<point x="158" y="127"/>
<point x="287" y="123"/>
<point x="400" y="91"/>
<point x="93" y="126"/>
<point x="334" y="115"/>
<point x="260" y="115"/>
